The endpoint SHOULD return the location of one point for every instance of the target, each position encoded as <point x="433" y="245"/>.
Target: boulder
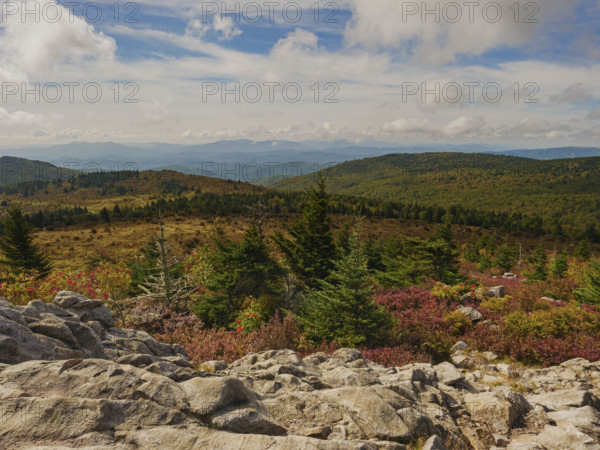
<point x="84" y="308"/>
<point x="501" y="409"/>
<point x="586" y="419"/>
<point x="569" y="437"/>
<point x="209" y="395"/>
<point x="497" y="291"/>
<point x="563" y="399"/>
<point x="448" y="374"/>
<point x="471" y="313"/>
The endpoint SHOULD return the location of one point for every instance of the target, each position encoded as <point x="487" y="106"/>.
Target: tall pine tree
<point x="311" y="250"/>
<point x="539" y="261"/>
<point x="444" y="253"/>
<point x="343" y="308"/>
<point x="19" y="252"/>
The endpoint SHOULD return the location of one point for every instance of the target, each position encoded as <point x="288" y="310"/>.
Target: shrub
<point x="108" y="282"/>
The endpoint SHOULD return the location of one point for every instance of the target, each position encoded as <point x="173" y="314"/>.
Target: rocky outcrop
<point x="70" y="379"/>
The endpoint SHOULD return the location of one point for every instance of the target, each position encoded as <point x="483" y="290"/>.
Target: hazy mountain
<point x="556" y="153"/>
<point x="248" y="160"/>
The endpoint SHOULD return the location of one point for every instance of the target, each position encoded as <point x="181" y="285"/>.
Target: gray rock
<point x="54" y="327"/>
<point x="247" y="421"/>
<point x="372" y="413"/>
<point x="448" y="374"/>
<point x="561" y="438"/>
<point x="460" y="345"/>
<point x="490" y="356"/>
<point x="471" y="313"/>
<point x="87" y="310"/>
<point x="466" y="297"/>
<point x="563" y="399"/>
<point x="497" y="291"/>
<point x="501" y="409"/>
<point x="348" y="355"/>
<point x="209" y="395"/>
<point x="586" y="419"/>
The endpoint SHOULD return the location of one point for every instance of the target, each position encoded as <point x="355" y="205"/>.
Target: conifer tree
<point x="311" y="251"/>
<point x="240" y="271"/>
<point x="560" y="265"/>
<point x="506" y="257"/>
<point x="582" y="251"/>
<point x="539" y="261"/>
<point x="104" y="215"/>
<point x="444" y="253"/>
<point x="342" y="239"/>
<point x="19" y="252"/>
<point x="343" y="308"/>
<point x="590" y="292"/>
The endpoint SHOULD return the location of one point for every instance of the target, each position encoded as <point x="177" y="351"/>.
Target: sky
<point x="513" y="74"/>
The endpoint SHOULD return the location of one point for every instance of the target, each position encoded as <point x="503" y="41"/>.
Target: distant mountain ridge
<point x="239" y="159"/>
<point x="556" y="153"/>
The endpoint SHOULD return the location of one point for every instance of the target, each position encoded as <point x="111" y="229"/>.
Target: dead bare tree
<point x="162" y="286"/>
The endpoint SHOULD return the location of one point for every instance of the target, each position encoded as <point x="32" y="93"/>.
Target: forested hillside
<point x="15" y="170"/>
<point x="564" y="194"/>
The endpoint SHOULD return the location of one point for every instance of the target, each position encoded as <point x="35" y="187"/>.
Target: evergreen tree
<point x="539" y="261"/>
<point x="311" y="251"/>
<point x="104" y="215"/>
<point x="590" y="292"/>
<point x="560" y="265"/>
<point x="342" y="239"/>
<point x="240" y="271"/>
<point x="506" y="257"/>
<point x="19" y="251"/>
<point x="583" y="250"/>
<point x="343" y="308"/>
<point x="444" y="254"/>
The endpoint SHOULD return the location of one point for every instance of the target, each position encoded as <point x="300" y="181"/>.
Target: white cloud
<point x="410" y="125"/>
<point x="225" y="28"/>
<point x="464" y="126"/>
<point x="441" y="37"/>
<point x="33" y="46"/>
<point x="196" y="28"/>
<point x="460" y="127"/>
<point x="19" y="118"/>
<point x="573" y="94"/>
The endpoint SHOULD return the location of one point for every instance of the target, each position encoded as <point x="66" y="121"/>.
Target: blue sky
<point x="375" y="70"/>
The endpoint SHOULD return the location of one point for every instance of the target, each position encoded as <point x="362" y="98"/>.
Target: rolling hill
<point x="564" y="191"/>
<point x="14" y="170"/>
